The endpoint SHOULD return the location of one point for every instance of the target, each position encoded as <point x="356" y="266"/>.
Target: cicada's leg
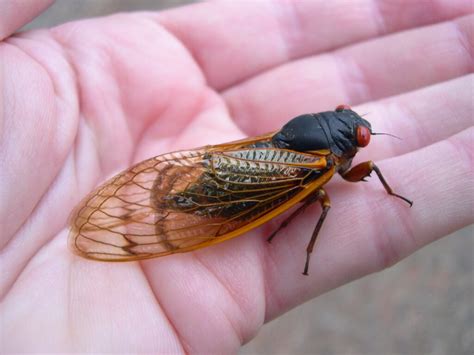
<point x="363" y="170"/>
<point x="323" y="198"/>
<point x="308" y="201"/>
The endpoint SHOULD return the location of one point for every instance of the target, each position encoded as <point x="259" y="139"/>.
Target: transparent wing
<point x="187" y="200"/>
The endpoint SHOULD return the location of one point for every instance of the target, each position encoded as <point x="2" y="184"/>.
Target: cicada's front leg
<point x="363" y="170"/>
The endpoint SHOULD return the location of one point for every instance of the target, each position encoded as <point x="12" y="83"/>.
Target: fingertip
<point x="16" y="14"/>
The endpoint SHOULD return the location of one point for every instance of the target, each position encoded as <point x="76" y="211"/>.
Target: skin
<point x="84" y="100"/>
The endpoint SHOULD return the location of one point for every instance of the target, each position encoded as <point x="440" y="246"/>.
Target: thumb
<point x="15" y="13"/>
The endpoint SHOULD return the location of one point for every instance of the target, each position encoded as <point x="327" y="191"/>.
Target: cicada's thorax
<point x="340" y="132"/>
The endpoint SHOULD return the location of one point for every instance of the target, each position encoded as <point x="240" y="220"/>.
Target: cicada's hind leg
<point x="321" y="196"/>
<point x="363" y="170"/>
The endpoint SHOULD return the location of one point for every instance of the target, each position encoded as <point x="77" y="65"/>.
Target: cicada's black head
<point x="341" y="131"/>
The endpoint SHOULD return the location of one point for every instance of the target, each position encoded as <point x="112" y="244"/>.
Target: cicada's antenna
<point x="379" y="133"/>
<point x="384" y="134"/>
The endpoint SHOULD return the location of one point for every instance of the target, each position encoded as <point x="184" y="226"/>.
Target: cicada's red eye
<point x="342" y="107"/>
<point x="362" y="136"/>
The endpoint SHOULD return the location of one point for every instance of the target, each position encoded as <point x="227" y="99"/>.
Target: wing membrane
<point x="187" y="200"/>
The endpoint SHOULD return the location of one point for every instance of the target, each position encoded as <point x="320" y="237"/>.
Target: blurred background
<point x="423" y="305"/>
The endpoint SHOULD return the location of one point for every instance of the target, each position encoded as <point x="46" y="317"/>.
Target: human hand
<point x="86" y="99"/>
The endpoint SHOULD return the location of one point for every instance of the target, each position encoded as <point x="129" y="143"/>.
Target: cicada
<point x="190" y="199"/>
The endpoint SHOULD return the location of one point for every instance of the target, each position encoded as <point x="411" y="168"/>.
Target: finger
<point x="419" y="118"/>
<point x="235" y="40"/>
<point x="15" y="14"/>
<point x="363" y="72"/>
<point x="367" y="231"/>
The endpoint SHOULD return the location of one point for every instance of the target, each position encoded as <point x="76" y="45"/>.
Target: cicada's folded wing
<point x="187" y="200"/>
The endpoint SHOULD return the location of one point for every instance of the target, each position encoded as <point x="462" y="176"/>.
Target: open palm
<point x="87" y="99"/>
